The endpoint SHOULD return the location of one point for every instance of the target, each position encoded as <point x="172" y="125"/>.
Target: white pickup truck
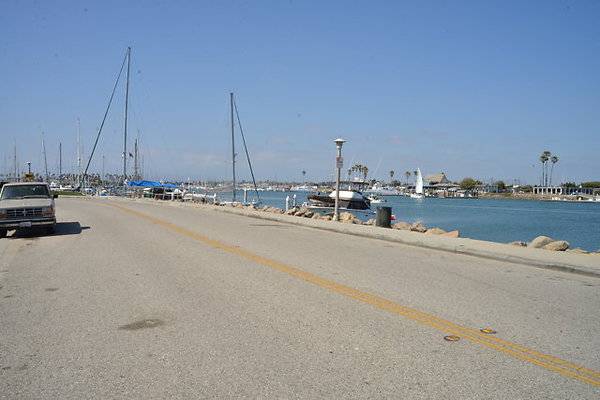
<point x="26" y="205"/>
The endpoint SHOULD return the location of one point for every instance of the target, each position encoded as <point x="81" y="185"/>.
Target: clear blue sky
<point x="470" y="88"/>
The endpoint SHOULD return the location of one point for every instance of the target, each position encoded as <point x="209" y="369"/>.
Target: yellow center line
<point x="515" y="350"/>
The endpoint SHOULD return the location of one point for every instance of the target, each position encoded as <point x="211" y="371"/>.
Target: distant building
<point x="563" y="190"/>
<point x="487" y="189"/>
<point x="439" y="183"/>
<point x="436" y="179"/>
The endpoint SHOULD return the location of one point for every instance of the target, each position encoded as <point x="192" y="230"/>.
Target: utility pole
<point x="339" y="165"/>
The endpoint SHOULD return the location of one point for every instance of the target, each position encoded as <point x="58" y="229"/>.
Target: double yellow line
<point x="515" y="350"/>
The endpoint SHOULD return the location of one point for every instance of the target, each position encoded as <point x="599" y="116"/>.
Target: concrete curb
<point x="583" y="264"/>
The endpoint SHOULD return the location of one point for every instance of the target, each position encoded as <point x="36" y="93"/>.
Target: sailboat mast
<point x="232" y="144"/>
<point x="45" y="159"/>
<point x="60" y="163"/>
<point x="126" y="111"/>
<point x="136" y="172"/>
<point x="79" y="177"/>
<point x="15" y="163"/>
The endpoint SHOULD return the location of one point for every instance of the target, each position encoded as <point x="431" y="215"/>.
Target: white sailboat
<point x="418" y="194"/>
<point x="235" y="116"/>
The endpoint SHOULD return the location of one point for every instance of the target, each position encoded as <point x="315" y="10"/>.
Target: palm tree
<point x="544" y="159"/>
<point x="554" y="160"/>
<point x="407" y="174"/>
<point x="547" y="154"/>
<point x="303" y="174"/>
<point x="360" y="169"/>
<point x="392" y="176"/>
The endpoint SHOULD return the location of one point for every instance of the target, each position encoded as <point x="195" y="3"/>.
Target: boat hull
<point x="349" y="201"/>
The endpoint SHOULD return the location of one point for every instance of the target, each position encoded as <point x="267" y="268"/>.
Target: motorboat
<point x="348" y="200"/>
<point x="375" y="199"/>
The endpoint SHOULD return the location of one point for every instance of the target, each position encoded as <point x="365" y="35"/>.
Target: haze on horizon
<point x="473" y="89"/>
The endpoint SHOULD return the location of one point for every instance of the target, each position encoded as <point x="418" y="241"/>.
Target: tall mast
<point x="232" y="144"/>
<point x="136" y="167"/>
<point x="15" y="163"/>
<point x="60" y="163"/>
<point x="45" y="159"/>
<point x="79" y="179"/>
<point x="126" y="111"/>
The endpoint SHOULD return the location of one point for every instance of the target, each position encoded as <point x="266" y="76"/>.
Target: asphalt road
<point x="133" y="299"/>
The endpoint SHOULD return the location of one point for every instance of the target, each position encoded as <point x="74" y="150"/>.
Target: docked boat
<point x="303" y="189"/>
<point x="349" y="200"/>
<point x="235" y="116"/>
<point x="374" y="199"/>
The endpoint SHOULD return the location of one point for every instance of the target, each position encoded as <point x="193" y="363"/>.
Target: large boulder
<point x="348" y="218"/>
<point x="418" y="226"/>
<point x="402" y="226"/>
<point x="301" y="212"/>
<point x="435" y="231"/>
<point x="540" y="242"/>
<point x="559" y="245"/>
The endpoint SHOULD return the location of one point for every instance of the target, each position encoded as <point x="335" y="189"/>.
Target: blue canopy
<point x="151" y="184"/>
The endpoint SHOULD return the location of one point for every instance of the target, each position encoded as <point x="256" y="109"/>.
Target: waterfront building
<point x="564" y="190"/>
<point x="436" y="179"/>
<point x="439" y="183"/>
<point x="487" y="189"/>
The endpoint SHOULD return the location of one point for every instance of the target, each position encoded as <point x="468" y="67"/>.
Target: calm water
<point x="489" y="219"/>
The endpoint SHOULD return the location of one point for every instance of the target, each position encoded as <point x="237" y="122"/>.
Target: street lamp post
<point x="339" y="142"/>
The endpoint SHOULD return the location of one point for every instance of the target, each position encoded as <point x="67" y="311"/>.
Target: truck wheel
<point x="51" y="229"/>
<point x="2" y="233"/>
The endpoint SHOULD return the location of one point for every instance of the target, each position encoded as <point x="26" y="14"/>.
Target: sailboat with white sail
<point x="418" y="194"/>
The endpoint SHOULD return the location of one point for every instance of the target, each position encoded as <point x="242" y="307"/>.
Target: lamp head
<point x="339" y="142"/>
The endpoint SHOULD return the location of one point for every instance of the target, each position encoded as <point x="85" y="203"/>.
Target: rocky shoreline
<point x="540" y="242"/>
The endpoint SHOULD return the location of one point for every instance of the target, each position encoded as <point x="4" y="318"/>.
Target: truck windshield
<point x="24" y="192"/>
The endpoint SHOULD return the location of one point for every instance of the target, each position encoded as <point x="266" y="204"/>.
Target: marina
<point x="311" y="200"/>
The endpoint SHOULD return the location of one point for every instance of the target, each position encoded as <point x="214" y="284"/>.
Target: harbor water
<point x="496" y="220"/>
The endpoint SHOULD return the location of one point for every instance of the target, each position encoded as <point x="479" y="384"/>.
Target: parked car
<point x="26" y="205"/>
